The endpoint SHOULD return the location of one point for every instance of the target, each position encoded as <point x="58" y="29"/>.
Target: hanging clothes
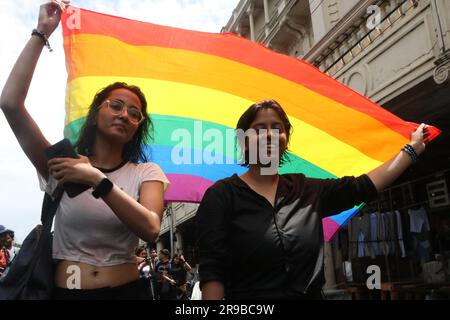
<point x="392" y="233"/>
<point x="374" y="225"/>
<point x="421" y="246"/>
<point x="383" y="234"/>
<point x="359" y="229"/>
<point x="361" y="245"/>
<point x="401" y="243"/>
<point x="418" y="220"/>
<point x="419" y="228"/>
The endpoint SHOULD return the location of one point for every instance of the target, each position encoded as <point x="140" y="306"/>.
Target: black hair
<point x="250" y="115"/>
<point x="165" y="252"/>
<point x="133" y="150"/>
<point x="176" y="256"/>
<point x="139" y="250"/>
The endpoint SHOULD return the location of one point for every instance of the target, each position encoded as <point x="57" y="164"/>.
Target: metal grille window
<point x="438" y="194"/>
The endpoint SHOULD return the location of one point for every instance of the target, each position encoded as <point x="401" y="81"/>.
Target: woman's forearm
<point x="387" y="173"/>
<point x="145" y="223"/>
<point x="143" y="217"/>
<point x="187" y="266"/>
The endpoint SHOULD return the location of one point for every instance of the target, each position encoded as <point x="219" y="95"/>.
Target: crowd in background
<point x="168" y="277"/>
<point x="7" y="251"/>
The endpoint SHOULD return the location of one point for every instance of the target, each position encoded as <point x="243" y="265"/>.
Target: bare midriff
<point x="92" y="277"/>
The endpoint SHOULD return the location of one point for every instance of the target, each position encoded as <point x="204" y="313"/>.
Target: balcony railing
<point x="351" y="45"/>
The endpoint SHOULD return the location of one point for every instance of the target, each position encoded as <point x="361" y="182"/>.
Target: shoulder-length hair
<point x="133" y="150"/>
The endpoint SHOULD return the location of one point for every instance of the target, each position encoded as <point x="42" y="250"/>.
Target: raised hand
<point x="50" y="16"/>
<point x="418" y="137"/>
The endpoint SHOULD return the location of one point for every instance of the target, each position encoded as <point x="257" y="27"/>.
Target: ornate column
<point x="442" y="70"/>
<point x="266" y="17"/>
<point x="251" y="22"/>
<point x="442" y="22"/>
<point x="266" y="11"/>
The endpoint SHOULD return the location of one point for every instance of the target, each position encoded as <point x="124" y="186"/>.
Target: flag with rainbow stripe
<point x="198" y="84"/>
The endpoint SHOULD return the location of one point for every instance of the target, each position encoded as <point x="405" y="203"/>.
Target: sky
<point x="20" y="196"/>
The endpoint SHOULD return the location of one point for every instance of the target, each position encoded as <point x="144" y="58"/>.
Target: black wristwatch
<point x="103" y="188"/>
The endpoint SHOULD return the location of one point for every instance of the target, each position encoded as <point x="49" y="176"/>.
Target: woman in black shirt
<point x="260" y="234"/>
<point x="179" y="272"/>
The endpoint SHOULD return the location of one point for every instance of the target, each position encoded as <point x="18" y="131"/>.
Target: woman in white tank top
<point x="97" y="231"/>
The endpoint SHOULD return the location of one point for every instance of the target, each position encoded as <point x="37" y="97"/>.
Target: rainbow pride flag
<point x="200" y="82"/>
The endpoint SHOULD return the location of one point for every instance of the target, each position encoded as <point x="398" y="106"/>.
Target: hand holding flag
<point x="50" y="16"/>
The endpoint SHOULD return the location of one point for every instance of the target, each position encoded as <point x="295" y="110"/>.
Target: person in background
<point x="4" y="254"/>
<point x="141" y="255"/>
<point x="153" y="258"/>
<point x="9" y="242"/>
<point x="166" y="284"/>
<point x="5" y="247"/>
<point x="144" y="268"/>
<point x="180" y="268"/>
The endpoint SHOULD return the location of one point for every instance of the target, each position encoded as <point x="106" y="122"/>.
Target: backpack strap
<point x="49" y="208"/>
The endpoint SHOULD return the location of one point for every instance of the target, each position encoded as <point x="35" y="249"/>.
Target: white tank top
<point x="86" y="230"/>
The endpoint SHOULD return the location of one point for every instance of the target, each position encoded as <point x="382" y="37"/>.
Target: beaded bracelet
<point x="411" y="152"/>
<point x="410" y="148"/>
<point x="43" y="37"/>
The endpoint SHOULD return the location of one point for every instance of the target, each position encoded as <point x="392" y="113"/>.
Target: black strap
<point x="49" y="208"/>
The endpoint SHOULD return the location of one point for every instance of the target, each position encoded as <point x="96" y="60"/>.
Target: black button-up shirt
<point x="261" y="251"/>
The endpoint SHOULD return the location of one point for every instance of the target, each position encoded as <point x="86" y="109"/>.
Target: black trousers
<point x="136" y="290"/>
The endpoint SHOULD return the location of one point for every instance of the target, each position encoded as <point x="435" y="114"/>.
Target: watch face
<point x="103" y="188"/>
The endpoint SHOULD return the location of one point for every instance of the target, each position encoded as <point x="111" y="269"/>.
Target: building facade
<point x="395" y="52"/>
<point x="379" y="48"/>
<point x="177" y="230"/>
